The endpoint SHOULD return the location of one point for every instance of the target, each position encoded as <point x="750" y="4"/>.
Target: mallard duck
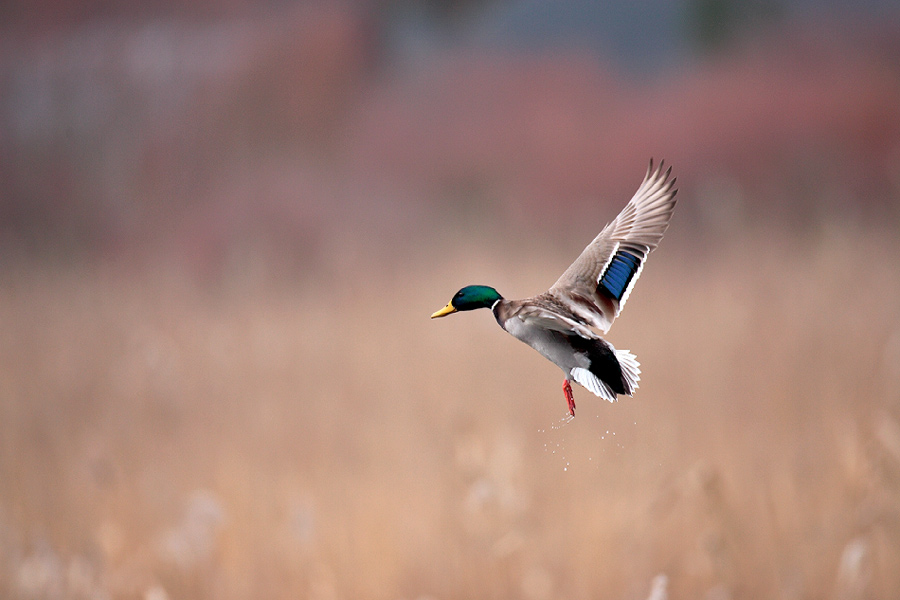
<point x="565" y="322"/>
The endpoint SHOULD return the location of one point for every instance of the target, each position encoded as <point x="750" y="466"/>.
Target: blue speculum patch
<point x="618" y="274"/>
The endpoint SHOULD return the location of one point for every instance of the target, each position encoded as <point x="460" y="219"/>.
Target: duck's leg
<point x="570" y="398"/>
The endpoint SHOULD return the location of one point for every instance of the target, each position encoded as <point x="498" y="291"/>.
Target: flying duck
<point x="564" y="323"/>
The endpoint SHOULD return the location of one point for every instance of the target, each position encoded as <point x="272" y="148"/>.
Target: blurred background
<point x="224" y="224"/>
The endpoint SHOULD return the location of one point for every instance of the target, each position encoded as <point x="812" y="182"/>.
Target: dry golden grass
<point x="324" y="439"/>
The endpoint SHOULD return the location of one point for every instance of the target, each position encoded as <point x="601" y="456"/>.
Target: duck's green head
<point x="470" y="298"/>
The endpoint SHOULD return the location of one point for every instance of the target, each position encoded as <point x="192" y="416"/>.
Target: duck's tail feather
<point x="593" y="384"/>
<point x="631" y="370"/>
<point x="631" y="374"/>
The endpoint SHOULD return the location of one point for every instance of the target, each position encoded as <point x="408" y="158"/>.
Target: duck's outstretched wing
<point x="598" y="283"/>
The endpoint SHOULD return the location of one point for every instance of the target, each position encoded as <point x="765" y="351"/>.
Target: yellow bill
<point x="444" y="311"/>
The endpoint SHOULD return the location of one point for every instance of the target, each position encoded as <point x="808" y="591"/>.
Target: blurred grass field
<point x="317" y="436"/>
<point x="223" y="228"/>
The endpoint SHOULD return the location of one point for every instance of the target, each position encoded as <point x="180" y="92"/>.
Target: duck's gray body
<point x="592" y="362"/>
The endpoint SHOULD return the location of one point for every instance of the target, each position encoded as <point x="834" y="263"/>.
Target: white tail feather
<point x="631" y="369"/>
<point x="593" y="384"/>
